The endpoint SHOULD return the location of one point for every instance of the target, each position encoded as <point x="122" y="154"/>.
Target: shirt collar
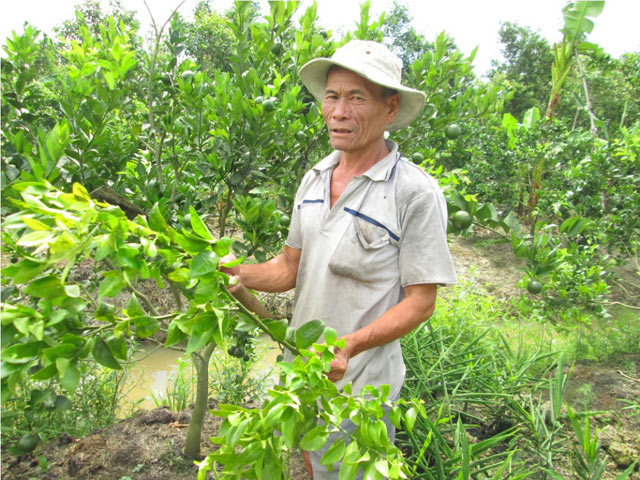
<point x="381" y="171"/>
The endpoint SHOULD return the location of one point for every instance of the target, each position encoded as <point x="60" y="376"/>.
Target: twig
<point x="625" y="290"/>
<point x="627" y="376"/>
<point x="258" y="321"/>
<point x="592" y="117"/>
<point x="160" y="345"/>
<point x="157" y="150"/>
<point x="139" y="294"/>
<point x="632" y="307"/>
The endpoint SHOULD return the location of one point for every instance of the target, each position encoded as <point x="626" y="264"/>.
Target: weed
<point x="180" y="388"/>
<point x="234" y="381"/>
<point x="42" y="407"/>
<point x="585" y="396"/>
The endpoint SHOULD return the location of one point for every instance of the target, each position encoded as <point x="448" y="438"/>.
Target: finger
<point x="226" y="259"/>
<point x="234" y="283"/>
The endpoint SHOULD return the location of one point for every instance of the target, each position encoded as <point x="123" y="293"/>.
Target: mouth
<point x="340" y="131"/>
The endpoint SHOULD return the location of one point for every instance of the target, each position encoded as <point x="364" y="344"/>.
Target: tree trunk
<point x="192" y="442"/>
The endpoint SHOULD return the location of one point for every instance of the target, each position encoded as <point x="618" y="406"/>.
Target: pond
<point x="155" y="369"/>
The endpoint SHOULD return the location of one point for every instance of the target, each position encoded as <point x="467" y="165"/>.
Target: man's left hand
<point x="339" y="364"/>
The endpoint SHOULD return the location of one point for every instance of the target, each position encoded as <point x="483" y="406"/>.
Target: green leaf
<point x="39" y="397"/>
<point x="111" y="285"/>
<point x="157" y="221"/>
<point x="80" y="192"/>
<point x="278" y="329"/>
<point x="531" y="118"/>
<point x="26" y="270"/>
<point x="35" y="239"/>
<point x="174" y="335"/>
<point x="103" y="355"/>
<point x="233" y="263"/>
<point x="203" y="263"/>
<point x="133" y="307"/>
<point x="64" y="350"/>
<point x="23" y="350"/>
<point x="145" y="326"/>
<point x="222" y="246"/>
<point x="197" y="340"/>
<point x="199" y="227"/>
<point x="308" y="333"/>
<point x="382" y="467"/>
<point x="179" y="275"/>
<point x="45" y="373"/>
<point x="330" y="336"/>
<point x="46" y="287"/>
<point x="573" y="226"/>
<point x="189" y="242"/>
<point x="315" y="439"/>
<point x="118" y="346"/>
<point x="34" y="224"/>
<point x="62" y="403"/>
<point x="71" y="378"/>
<point x="334" y="453"/>
<point x="7" y="369"/>
<point x="348" y="471"/>
<point x="372" y="473"/>
<point x="203" y="328"/>
<point x="410" y="419"/>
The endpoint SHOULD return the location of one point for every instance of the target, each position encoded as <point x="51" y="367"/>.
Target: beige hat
<point x="376" y="63"/>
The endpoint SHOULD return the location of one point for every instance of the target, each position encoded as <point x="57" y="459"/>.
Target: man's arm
<point x="416" y="307"/>
<point x="276" y="275"/>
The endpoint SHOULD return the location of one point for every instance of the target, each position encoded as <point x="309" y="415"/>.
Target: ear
<point x="393" y="105"/>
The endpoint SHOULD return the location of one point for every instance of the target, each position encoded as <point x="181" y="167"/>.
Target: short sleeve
<point x="424" y="253"/>
<point x="294" y="238"/>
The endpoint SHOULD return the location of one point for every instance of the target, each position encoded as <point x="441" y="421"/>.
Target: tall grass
<point x="493" y="387"/>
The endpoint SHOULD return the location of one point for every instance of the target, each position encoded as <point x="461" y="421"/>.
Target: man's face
<point x="355" y="111"/>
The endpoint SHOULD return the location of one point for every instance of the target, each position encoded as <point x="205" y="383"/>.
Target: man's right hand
<point x="276" y="275"/>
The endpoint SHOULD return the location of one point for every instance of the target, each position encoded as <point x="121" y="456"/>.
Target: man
<point x="367" y="244"/>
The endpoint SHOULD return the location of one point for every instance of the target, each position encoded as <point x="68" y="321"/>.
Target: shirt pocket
<point x="368" y="251"/>
<point x="310" y="214"/>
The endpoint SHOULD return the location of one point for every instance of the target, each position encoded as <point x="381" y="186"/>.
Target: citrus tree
<point x="52" y="324"/>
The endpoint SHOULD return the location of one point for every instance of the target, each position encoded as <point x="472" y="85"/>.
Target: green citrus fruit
<point x="269" y="105"/>
<point x="417" y="158"/>
<point x="300" y="136"/>
<point x="461" y="219"/>
<point x="166" y="79"/>
<point x="453" y="131"/>
<point x="259" y="100"/>
<point x="28" y="442"/>
<point x="277" y="49"/>
<point x="534" y="286"/>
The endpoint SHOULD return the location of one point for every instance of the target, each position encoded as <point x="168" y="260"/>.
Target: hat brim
<point x="314" y="76"/>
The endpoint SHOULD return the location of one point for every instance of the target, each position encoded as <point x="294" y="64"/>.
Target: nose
<point x="340" y="109"/>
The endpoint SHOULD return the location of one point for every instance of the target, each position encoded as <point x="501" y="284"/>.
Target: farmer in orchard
<point x="367" y="244"/>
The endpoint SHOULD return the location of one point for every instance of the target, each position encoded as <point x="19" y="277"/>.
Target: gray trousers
<point x="320" y="472"/>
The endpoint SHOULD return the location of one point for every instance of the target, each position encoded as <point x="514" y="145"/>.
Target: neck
<point x="358" y="162"/>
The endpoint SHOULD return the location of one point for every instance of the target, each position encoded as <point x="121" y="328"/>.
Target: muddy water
<point x="155" y="369"/>
<point x="150" y="374"/>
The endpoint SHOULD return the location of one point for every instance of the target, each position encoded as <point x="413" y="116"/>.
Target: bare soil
<point x="148" y="445"/>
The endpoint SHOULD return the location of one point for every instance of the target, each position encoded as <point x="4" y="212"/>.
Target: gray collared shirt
<point x="387" y="230"/>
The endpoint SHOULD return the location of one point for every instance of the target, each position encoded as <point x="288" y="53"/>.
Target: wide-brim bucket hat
<point x="376" y="63"/>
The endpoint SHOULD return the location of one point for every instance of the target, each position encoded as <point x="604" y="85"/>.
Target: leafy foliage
<point x="180" y="128"/>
